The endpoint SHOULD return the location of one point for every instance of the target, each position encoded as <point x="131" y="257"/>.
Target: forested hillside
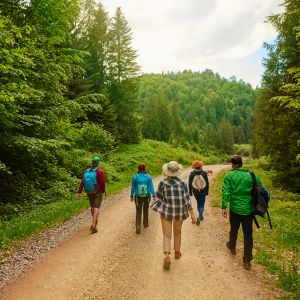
<point x="197" y="108"/>
<point x="277" y="114"/>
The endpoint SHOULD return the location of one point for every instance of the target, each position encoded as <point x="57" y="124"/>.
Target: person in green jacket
<point x="237" y="192"/>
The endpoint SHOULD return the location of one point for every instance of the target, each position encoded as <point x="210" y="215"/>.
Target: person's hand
<point x="192" y="217"/>
<point x="224" y="212"/>
<point x="131" y="199"/>
<point x="78" y="196"/>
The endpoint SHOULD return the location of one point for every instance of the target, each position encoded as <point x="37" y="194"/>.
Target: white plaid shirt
<point x="174" y="200"/>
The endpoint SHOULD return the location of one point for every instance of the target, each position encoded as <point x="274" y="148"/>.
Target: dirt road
<point x="116" y="263"/>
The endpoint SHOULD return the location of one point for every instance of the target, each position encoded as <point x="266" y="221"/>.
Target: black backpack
<point x="261" y="200"/>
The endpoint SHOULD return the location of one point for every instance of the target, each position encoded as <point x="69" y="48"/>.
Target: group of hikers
<point x="172" y="201"/>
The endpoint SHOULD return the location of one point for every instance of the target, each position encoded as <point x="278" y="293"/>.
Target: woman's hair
<point x="142" y="168"/>
<point x="197" y="164"/>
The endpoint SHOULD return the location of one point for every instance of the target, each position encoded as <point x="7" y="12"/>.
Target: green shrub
<point x="94" y="138"/>
<point x="242" y="149"/>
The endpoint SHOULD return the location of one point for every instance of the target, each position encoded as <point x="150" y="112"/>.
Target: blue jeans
<point x="200" y="202"/>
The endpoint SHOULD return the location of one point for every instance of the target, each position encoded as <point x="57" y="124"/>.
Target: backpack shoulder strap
<point x="255" y="221"/>
<point x="253" y="178"/>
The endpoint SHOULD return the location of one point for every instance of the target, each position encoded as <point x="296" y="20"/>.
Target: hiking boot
<point x="92" y="225"/>
<point x="167" y="263"/>
<point x="232" y="250"/>
<point x="138" y="230"/>
<point x="198" y="221"/>
<point x="247" y="265"/>
<point x="94" y="229"/>
<point x="177" y="254"/>
<point x="201" y="217"/>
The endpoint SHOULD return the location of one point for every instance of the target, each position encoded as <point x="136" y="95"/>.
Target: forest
<point x="277" y="110"/>
<point x="198" y="109"/>
<point x="71" y="87"/>
<point x="67" y="89"/>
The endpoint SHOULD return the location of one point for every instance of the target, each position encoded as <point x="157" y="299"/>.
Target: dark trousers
<point x="141" y="204"/>
<point x="235" y="221"/>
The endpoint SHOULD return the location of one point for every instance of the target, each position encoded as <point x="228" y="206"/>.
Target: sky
<point x="225" y="36"/>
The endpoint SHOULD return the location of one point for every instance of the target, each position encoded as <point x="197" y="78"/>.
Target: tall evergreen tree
<point x="122" y="57"/>
<point x="122" y="68"/>
<point x="277" y="130"/>
<point x="93" y="37"/>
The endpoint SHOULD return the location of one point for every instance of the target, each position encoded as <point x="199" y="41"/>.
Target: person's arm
<point x="190" y="183"/>
<point x="159" y="192"/>
<point x="188" y="203"/>
<point x="151" y="186"/>
<point x="101" y="180"/>
<point x="187" y="198"/>
<point x="207" y="182"/>
<point x="226" y="192"/>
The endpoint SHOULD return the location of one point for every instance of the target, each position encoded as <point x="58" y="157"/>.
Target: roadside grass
<point x="279" y="248"/>
<point x="119" y="167"/>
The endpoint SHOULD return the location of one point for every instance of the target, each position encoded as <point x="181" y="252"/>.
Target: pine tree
<point x="122" y="57"/>
<point x="93" y="38"/>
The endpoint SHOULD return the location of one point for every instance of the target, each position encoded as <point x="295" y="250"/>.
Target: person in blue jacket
<point x="141" y="190"/>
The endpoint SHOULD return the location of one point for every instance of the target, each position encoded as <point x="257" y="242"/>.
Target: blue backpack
<point x="142" y="186"/>
<point x="90" y="181"/>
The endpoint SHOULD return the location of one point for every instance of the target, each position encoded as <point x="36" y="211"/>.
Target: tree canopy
<point x="198" y="108"/>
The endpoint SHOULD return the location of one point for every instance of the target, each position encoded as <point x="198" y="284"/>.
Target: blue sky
<point x="223" y="35"/>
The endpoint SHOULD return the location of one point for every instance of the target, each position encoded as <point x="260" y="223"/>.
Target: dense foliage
<point x="199" y="108"/>
<point x="277" y="131"/>
<point x="66" y="86"/>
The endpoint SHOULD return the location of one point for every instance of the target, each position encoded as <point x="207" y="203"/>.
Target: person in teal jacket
<point x="141" y="190"/>
<point x="237" y="192"/>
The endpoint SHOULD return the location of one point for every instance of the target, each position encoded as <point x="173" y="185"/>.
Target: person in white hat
<point x="174" y="205"/>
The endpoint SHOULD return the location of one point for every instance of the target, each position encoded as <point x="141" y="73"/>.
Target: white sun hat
<point x="172" y="169"/>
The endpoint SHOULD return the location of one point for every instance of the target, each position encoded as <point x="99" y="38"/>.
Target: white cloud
<point x="222" y="35"/>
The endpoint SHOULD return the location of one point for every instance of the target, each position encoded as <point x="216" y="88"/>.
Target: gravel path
<point x="38" y="246"/>
<point x="118" y="264"/>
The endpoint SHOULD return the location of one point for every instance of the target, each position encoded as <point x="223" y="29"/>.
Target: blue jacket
<point x="142" y="177"/>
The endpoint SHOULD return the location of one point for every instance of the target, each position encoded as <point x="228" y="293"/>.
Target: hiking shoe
<point x="198" y="221"/>
<point x="94" y="229"/>
<point x="92" y="225"/>
<point x="232" y="250"/>
<point x="177" y="254"/>
<point x="247" y="265"/>
<point x="167" y="263"/>
<point x="201" y="217"/>
<point x="138" y="230"/>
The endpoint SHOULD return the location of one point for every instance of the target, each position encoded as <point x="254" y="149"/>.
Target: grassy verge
<point x="119" y="167"/>
<point x="278" y="249"/>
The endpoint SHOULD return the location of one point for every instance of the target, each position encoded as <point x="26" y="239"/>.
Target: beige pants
<point x="167" y="234"/>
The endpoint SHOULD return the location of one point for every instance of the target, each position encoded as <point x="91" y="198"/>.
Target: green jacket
<point x="237" y="191"/>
